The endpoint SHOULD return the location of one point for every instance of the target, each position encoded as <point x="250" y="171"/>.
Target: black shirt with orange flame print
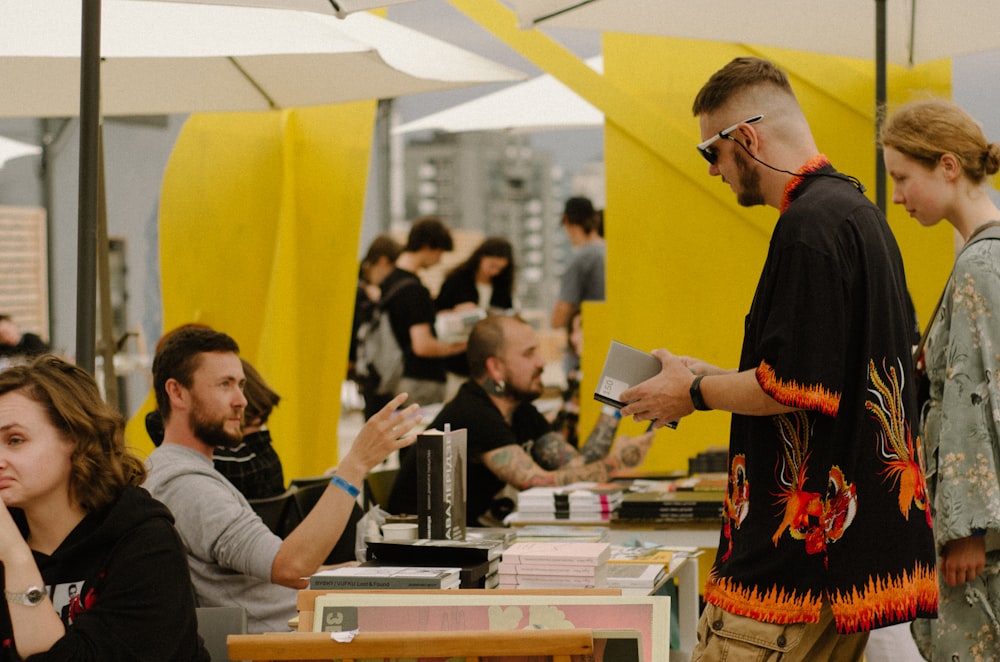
<point x="829" y="503"/>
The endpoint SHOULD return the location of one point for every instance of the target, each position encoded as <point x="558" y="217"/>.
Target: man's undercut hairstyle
<point x="179" y="355"/>
<point x="740" y="75"/>
<point x="429" y="232"/>
<point x="579" y="211"/>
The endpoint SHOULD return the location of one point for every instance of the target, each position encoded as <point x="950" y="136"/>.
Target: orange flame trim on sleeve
<point x="792" y="394"/>
<point x="883" y="601"/>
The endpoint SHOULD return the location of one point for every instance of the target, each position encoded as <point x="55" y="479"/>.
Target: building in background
<point x="495" y="183"/>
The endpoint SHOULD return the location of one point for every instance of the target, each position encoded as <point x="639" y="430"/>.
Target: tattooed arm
<point x="552" y="451"/>
<point x="602" y="436"/>
<point x="514" y="465"/>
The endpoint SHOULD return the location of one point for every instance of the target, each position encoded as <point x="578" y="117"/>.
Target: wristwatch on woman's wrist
<point x="31" y="597"/>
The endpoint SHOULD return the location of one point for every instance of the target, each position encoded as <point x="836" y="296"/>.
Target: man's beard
<point x="213" y="432"/>
<point x="523" y="395"/>
<point x="749" y="194"/>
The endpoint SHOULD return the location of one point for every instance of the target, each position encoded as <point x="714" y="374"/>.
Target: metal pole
<point x="880" y="99"/>
<point x="90" y="118"/>
<point x="383" y="162"/>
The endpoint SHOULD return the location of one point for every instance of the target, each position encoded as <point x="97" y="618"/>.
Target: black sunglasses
<point x="705" y="148"/>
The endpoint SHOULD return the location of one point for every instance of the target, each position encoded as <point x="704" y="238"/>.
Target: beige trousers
<point x="725" y="637"/>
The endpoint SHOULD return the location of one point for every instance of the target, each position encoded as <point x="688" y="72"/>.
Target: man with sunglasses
<point x="826" y="534"/>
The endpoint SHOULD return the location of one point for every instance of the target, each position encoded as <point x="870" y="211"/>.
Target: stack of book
<point x="701" y="482"/>
<point x="555" y="565"/>
<point x="643" y="576"/>
<point x="638" y="567"/>
<point x="562" y="533"/>
<point x="369" y="576"/>
<point x="679" y="506"/>
<point x="500" y="534"/>
<point x="479" y="560"/>
<point x="624" y="554"/>
<point x="714" y="459"/>
<point x="577" y="501"/>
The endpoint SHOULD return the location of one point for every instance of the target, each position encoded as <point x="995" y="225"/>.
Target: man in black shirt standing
<point x="411" y="314"/>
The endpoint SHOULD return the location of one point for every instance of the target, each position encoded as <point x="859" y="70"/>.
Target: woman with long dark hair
<point x="485" y="280"/>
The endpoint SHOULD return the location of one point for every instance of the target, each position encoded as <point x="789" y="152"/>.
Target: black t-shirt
<point x="411" y="304"/>
<point x="471" y="409"/>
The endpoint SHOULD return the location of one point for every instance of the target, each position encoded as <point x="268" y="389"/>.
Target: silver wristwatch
<point x="32" y="596"/>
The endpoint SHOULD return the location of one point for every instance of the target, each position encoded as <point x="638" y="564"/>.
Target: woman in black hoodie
<point x="92" y="566"/>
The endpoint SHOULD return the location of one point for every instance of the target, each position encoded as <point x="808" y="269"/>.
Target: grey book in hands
<point x="624" y="367"/>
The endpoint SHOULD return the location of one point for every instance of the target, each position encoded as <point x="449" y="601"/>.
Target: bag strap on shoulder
<point x="394" y="290"/>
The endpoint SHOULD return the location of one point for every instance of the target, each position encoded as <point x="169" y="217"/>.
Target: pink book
<point x="558" y="553"/>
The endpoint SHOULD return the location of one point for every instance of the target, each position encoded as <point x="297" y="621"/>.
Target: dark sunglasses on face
<point x="706" y="149"/>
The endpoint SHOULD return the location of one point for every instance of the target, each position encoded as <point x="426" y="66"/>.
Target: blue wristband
<point x="976" y="533"/>
<point x="344" y="485"/>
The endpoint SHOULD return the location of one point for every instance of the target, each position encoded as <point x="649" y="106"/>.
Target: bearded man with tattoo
<point x="510" y="443"/>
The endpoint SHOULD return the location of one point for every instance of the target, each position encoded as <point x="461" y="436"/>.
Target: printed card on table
<point x="401" y="612"/>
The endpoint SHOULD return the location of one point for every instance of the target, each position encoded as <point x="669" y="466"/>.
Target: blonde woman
<point x="939" y="161"/>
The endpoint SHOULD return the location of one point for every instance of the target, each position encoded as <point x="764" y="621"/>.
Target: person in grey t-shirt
<point x="583" y="279"/>
<point x="233" y="557"/>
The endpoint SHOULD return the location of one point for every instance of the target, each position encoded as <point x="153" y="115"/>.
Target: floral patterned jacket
<point x="961" y="421"/>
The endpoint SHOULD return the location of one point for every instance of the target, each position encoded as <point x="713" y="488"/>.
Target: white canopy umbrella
<point x="916" y="30"/>
<point x="14" y="149"/>
<point x="172" y="57"/>
<point x="904" y="32"/>
<point x="540" y="104"/>
<point x="340" y="8"/>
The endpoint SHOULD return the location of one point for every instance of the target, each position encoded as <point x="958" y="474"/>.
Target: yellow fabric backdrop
<point x="260" y="218"/>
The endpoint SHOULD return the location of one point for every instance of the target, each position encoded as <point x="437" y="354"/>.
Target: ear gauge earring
<point x="494" y="387"/>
